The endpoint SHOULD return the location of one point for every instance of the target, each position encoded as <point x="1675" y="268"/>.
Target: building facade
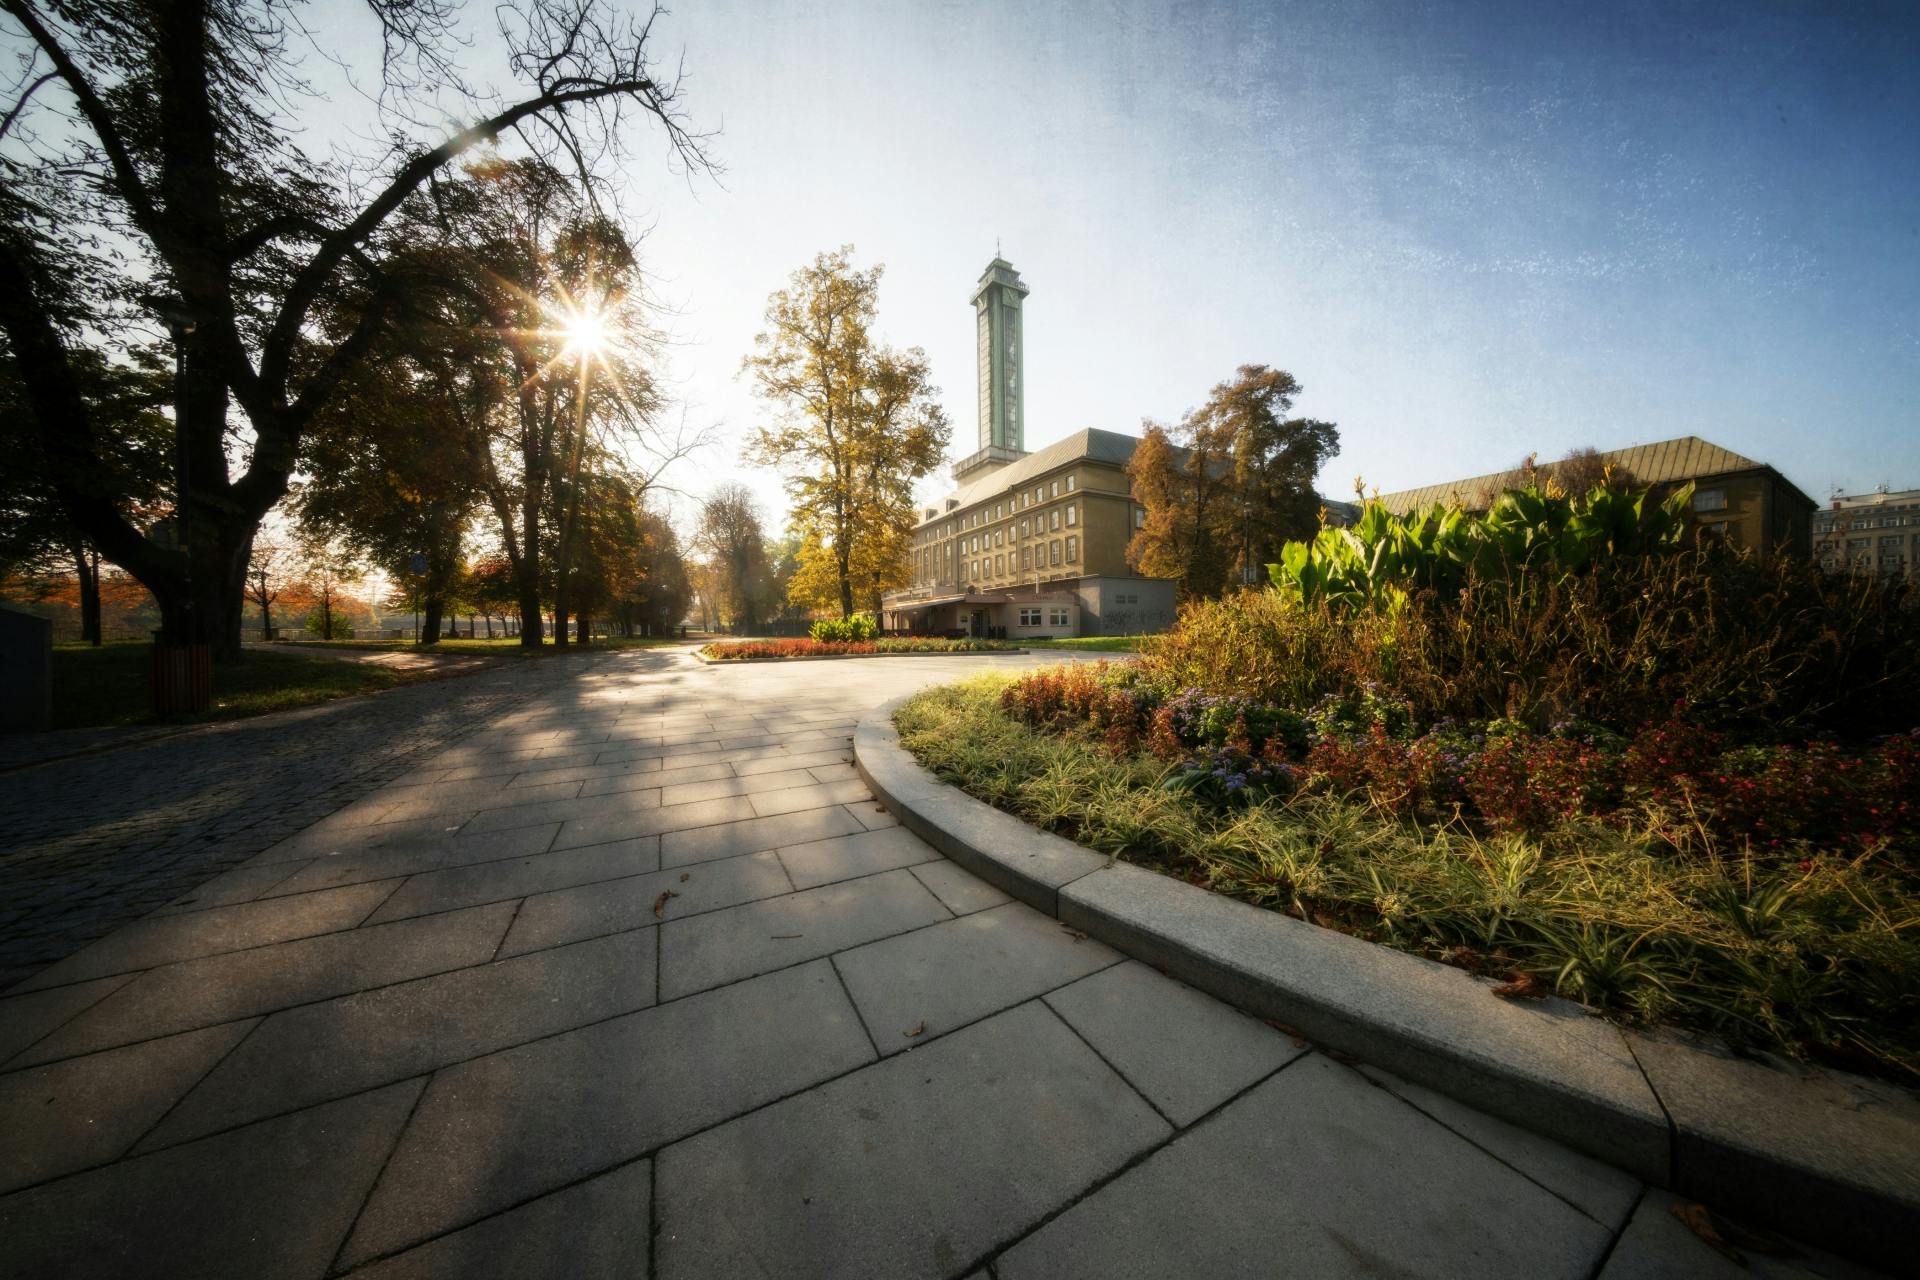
<point x="1736" y="499"/>
<point x="1029" y="545"/>
<point x="1874" y="533"/>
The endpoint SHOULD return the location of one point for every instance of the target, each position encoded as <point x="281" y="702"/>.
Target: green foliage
<point x="1382" y="557"/>
<point x="1816" y="959"/>
<point x="858" y="629"/>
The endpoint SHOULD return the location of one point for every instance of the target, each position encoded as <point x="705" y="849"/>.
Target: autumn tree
<point x="325" y="568"/>
<point x="268" y="568"/>
<point x="730" y="537"/>
<point x="1227" y="486"/>
<point x="856" y="424"/>
<point x="659" y="591"/>
<point x="153" y="165"/>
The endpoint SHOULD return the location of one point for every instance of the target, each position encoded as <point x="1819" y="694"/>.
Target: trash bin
<point x="181" y="677"/>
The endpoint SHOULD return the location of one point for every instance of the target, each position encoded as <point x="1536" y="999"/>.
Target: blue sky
<point x="1471" y="231"/>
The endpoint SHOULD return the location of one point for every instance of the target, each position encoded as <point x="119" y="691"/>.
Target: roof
<point x="1091" y="444"/>
<point x="1663" y="462"/>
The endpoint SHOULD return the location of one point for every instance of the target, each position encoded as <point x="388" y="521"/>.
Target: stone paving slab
<point x="242" y="884"/>
<point x="962" y="892"/>
<point x="579" y="1103"/>
<point x="105" y="1102"/>
<point x="1598" y="1190"/>
<point x="317" y="842"/>
<point x="725" y="946"/>
<point x="864" y="853"/>
<point x="511" y="878"/>
<point x="321" y="1051"/>
<point x="596" y="1230"/>
<point x="906" y="987"/>
<point x="1184" y="1051"/>
<point x="749" y="834"/>
<point x="916" y="1167"/>
<point x="274" y="1199"/>
<point x="1543" y="1064"/>
<point x="604" y="809"/>
<point x="240" y="984"/>
<point x="587" y="911"/>
<point x="814" y="795"/>
<point x="655" y="820"/>
<point x="164" y="939"/>
<point x="1320" y="1173"/>
<point x="412" y="857"/>
<point x="1656" y="1245"/>
<point x="26" y="1018"/>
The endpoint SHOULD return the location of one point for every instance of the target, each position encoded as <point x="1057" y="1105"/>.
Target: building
<point x="1029" y="545"/>
<point x="1870" y="533"/>
<point x="1747" y="503"/>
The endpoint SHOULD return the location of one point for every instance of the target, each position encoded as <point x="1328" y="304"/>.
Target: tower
<point x="997" y="303"/>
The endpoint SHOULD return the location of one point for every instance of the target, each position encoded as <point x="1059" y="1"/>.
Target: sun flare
<point x="586" y="331"/>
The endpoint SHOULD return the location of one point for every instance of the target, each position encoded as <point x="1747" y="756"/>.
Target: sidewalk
<point x="636" y="979"/>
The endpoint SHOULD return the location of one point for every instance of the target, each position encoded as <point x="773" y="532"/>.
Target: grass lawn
<point x="1095" y="644"/>
<point x="108" y="685"/>
<point x="1819" y="960"/>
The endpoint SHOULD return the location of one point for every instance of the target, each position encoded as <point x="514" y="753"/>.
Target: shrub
<point x="807" y="648"/>
<point x="858" y="629"/>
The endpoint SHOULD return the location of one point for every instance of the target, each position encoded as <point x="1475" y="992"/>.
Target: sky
<point x="1471" y="231"/>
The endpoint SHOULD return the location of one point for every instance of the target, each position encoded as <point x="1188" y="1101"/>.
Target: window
<point x="1053" y="518"/>
<point x="1069" y="484"/>
<point x="1053" y="552"/>
<point x="1710" y="500"/>
<point x="1029" y="617"/>
<point x="1073" y="549"/>
<point x="1055" y="486"/>
<point x="1026" y="557"/>
<point x="996" y="511"/>
<point x="1073" y="510"/>
<point x="1139" y="517"/>
<point x="1038" y="494"/>
<point x="1023" y="528"/>
<point x="999" y="566"/>
<point x="1057" y="617"/>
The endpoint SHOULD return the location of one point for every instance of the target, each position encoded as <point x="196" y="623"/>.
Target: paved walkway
<point x="632" y="977"/>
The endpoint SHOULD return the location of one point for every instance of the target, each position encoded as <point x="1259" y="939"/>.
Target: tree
<point x="1229" y="485"/>
<point x="856" y="425"/>
<point x="326" y="567"/>
<point x="161" y="133"/>
<point x="267" y="569"/>
<point x="734" y="544"/>
<point x="35" y="532"/>
<point x="659" y="592"/>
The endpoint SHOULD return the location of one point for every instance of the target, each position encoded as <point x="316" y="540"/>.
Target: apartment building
<point x="1869" y="533"/>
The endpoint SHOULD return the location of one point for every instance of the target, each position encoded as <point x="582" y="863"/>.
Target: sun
<point x="585" y="331"/>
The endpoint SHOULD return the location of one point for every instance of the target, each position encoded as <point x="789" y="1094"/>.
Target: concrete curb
<point x="1830" y="1158"/>
<point x="843" y="657"/>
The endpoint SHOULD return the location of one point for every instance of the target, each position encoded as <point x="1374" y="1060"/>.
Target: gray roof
<point x="1091" y="444"/>
<point x="1662" y="462"/>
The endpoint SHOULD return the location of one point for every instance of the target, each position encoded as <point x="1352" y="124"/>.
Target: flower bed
<point x="1766" y="892"/>
<point x="762" y="650"/>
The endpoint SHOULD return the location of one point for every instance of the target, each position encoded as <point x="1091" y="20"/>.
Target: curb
<point x="843" y="657"/>
<point x="1830" y="1158"/>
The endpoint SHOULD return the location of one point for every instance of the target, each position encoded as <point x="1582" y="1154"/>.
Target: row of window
<point x="1038" y="556"/>
<point x="1021" y="501"/>
<point x="1055" y="618"/>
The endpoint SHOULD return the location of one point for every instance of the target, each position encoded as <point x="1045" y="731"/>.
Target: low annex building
<point x="1029" y="545"/>
<point x="1745" y="502"/>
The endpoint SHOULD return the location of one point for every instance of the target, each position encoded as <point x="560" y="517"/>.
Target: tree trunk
<point x="86" y="566"/>
<point x="559" y="628"/>
<point x="586" y="629"/>
<point x="432" y="612"/>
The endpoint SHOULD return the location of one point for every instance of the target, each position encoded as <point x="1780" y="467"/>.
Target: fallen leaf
<point x="1700" y="1221"/>
<point x="1291" y="1032"/>
<point x="1521" y="986"/>
<point x="685" y="876"/>
<point x="660" y="903"/>
<point x="786" y="935"/>
<point x="1074" y="933"/>
<point x="918" y="1027"/>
